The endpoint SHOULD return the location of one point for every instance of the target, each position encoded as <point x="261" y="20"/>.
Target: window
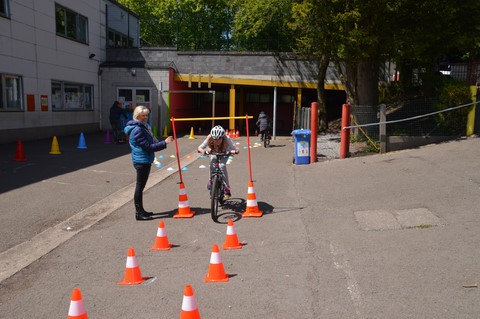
<point x="71" y="24"/>
<point x="258" y="98"/>
<point x="118" y="40"/>
<point x="11" y="93"/>
<point x="4" y="9"/>
<point x="71" y="96"/>
<point x="287" y="98"/>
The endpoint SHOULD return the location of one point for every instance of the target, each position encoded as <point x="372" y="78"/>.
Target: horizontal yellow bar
<point x="256" y="82"/>
<point x="210" y="118"/>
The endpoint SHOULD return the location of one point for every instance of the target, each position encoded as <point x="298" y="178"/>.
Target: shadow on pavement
<point x="41" y="165"/>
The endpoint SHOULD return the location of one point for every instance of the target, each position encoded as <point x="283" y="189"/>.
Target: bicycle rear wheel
<point x="215" y="196"/>
<point x="266" y="140"/>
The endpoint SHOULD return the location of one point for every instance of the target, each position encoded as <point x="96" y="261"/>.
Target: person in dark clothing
<point x="116" y="114"/>
<point x="263" y="123"/>
<point x="143" y="145"/>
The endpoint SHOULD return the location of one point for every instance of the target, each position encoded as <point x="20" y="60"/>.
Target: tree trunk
<point x="350" y="82"/>
<point x="367" y="82"/>
<point x="322" y="109"/>
<point x="365" y="110"/>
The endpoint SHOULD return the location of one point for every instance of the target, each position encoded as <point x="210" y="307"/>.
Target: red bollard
<point x="314" y="132"/>
<point x="345" y="133"/>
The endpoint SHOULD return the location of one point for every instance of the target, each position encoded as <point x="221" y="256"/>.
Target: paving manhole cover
<point x="397" y="219"/>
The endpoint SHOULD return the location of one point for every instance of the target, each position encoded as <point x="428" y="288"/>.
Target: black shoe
<point x="142" y="216"/>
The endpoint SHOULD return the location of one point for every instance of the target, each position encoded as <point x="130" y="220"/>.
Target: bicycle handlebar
<point x="219" y="154"/>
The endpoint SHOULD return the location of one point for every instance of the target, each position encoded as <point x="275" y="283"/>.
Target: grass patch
<point x="424" y="226"/>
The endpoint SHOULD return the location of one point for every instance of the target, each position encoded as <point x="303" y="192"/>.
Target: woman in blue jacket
<point x="143" y="145"/>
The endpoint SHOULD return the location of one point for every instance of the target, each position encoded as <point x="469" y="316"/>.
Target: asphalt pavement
<point x="391" y="235"/>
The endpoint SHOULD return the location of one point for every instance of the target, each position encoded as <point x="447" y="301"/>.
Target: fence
<point x="411" y="123"/>
<point x="302" y="118"/>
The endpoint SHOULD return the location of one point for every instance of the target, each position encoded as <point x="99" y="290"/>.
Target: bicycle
<point x="266" y="139"/>
<point x="217" y="191"/>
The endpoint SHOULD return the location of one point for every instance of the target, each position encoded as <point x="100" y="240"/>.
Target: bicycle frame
<point x="266" y="138"/>
<point x="217" y="191"/>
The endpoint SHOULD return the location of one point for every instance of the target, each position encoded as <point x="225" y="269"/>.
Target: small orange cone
<point x="231" y="239"/>
<point x="19" y="154"/>
<point x="252" y="206"/>
<point x="132" y="270"/>
<point x="76" y="310"/>
<point x="55" y="149"/>
<point x="216" y="272"/>
<point x="161" y="242"/>
<point x="227" y="133"/>
<point x="183" y="206"/>
<point x="189" y="305"/>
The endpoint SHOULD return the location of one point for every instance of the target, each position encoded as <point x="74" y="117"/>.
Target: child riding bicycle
<point x="218" y="142"/>
<point x="264" y="124"/>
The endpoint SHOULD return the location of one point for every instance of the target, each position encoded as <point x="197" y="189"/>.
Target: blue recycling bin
<point x="302" y="146"/>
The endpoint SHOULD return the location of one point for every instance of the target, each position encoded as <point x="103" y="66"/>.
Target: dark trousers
<point x="143" y="171"/>
<point x="262" y="134"/>
<point x="117" y="131"/>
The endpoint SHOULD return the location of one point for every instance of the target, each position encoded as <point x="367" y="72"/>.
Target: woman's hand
<point x="169" y="140"/>
<point x="234" y="152"/>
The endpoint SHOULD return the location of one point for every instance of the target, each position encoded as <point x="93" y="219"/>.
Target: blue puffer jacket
<point x="142" y="142"/>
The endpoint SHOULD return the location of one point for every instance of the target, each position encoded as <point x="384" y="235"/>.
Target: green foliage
<point x="454" y="93"/>
<point x="261" y="25"/>
<point x="357" y="35"/>
<point x="187" y="24"/>
<point x="389" y="92"/>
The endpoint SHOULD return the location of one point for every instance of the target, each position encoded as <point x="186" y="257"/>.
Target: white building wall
<point x="30" y="48"/>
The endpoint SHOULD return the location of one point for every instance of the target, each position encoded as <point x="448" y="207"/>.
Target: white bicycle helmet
<point x="217" y="132"/>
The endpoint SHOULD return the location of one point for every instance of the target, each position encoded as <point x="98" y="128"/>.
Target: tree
<point x="315" y="39"/>
<point x="356" y="35"/>
<point x="261" y="25"/>
<point x="187" y="24"/>
<point x="433" y="30"/>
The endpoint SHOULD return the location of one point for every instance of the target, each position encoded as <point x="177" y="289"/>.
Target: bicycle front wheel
<point x="215" y="195"/>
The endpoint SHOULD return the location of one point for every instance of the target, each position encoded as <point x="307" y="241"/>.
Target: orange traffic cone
<point x="227" y="133"/>
<point x="76" y="310"/>
<point x="55" y="149"/>
<point x="19" y="154"/>
<point x="252" y="207"/>
<point x="237" y="133"/>
<point x="161" y="242"/>
<point x="183" y="207"/>
<point x="189" y="305"/>
<point x="132" y="271"/>
<point x="216" y="272"/>
<point x="231" y="239"/>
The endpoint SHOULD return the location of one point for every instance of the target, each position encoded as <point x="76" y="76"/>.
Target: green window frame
<point x="70" y="24"/>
